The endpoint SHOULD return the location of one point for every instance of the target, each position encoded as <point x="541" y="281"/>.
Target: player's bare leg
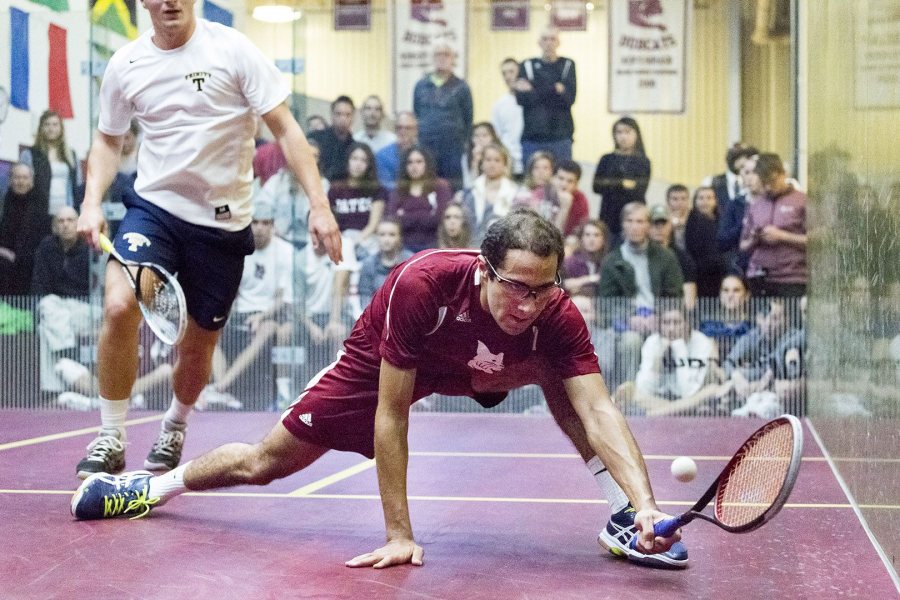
<point x="117" y="364"/>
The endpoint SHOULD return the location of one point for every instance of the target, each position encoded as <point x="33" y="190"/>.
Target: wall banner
<point x="418" y="27"/>
<point x="877" y="46"/>
<point x="568" y="15"/>
<point x="647" y="56"/>
<point x="509" y="15"/>
<point x="352" y="15"/>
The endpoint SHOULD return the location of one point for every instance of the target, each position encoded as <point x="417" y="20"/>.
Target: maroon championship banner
<point x="568" y="15"/>
<point x="509" y="15"/>
<point x="353" y="15"/>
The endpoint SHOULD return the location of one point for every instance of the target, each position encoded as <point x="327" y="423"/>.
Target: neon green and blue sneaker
<point x="616" y="538"/>
<point x="104" y="496"/>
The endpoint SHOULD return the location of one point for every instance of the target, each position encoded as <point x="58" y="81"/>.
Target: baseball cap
<point x="263" y="211"/>
<point x="659" y="213"/>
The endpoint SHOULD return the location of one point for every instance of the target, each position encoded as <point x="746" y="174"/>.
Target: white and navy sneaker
<point x="616" y="538"/>
<point x="104" y="496"/>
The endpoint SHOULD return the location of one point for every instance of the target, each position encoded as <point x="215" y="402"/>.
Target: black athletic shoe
<point x="106" y="454"/>
<point x="166" y="452"/>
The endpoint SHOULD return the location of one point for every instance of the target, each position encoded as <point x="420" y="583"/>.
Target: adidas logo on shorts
<point x="464" y="317"/>
<point x="306" y="419"/>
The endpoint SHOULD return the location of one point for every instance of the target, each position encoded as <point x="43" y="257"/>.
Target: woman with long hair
<point x="700" y="231"/>
<point x="58" y="179"/>
<point x="581" y="271"/>
<point x="419" y="199"/>
<point x="492" y="193"/>
<point x="358" y="201"/>
<point x="622" y="176"/>
<point x="455" y="230"/>
<point x="483" y="133"/>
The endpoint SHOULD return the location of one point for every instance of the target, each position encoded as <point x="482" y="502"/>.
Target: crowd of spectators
<point x="665" y="284"/>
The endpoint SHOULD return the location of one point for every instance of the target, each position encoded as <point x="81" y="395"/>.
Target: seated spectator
<point x="335" y="140"/>
<point x="372" y="134"/>
<point x="774" y="234"/>
<point x="419" y="200"/>
<point x="482" y="134"/>
<point x="492" y="193"/>
<point x="678" y="201"/>
<point x="537" y="191"/>
<point x="61" y="278"/>
<point x="387" y="159"/>
<point x="661" y="233"/>
<point x="290" y="204"/>
<point x="123" y="184"/>
<point x="700" y="242"/>
<point x="374" y="269"/>
<point x="679" y="372"/>
<point x="731" y="221"/>
<point x="582" y="269"/>
<point x="454" y="230"/>
<point x="23" y="225"/>
<point x="602" y="338"/>
<point x="729" y="319"/>
<point x="358" y="202"/>
<point x="573" y="203"/>
<point x="315" y="123"/>
<point x="262" y="311"/>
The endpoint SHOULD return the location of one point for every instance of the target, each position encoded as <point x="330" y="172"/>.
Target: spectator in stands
<point x="537" y="191"/>
<point x="661" y="233"/>
<point x="62" y="279"/>
<point x="679" y="372"/>
<point x="731" y="222"/>
<point x="774" y="233"/>
<point x="335" y="141"/>
<point x="419" y="200"/>
<point x="374" y="269"/>
<point x="602" y="338"/>
<point x="506" y="117"/>
<point x="455" y="231"/>
<point x="123" y="184"/>
<point x="572" y="201"/>
<point x="728" y="319"/>
<point x="482" y="134"/>
<point x="388" y="158"/>
<point x="315" y="123"/>
<point x="546" y="90"/>
<point x="443" y="104"/>
<point x="582" y="269"/>
<point x="372" y="133"/>
<point x="58" y="178"/>
<point x="728" y="186"/>
<point x="678" y="201"/>
<point x="262" y="311"/>
<point x="358" y="202"/>
<point x="700" y="242"/>
<point x="268" y="158"/>
<point x="492" y="193"/>
<point x="291" y="205"/>
<point x="622" y="176"/>
<point x="23" y="225"/>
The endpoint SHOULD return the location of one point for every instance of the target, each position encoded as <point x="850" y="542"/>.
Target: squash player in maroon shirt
<point x="447" y="321"/>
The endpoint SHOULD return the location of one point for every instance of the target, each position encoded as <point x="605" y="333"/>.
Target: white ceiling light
<point x="276" y="13"/>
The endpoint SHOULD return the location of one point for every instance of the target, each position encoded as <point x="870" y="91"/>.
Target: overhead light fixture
<point x="276" y="13"/>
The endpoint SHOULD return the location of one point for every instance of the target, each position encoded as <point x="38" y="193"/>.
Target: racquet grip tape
<point x="664" y="528"/>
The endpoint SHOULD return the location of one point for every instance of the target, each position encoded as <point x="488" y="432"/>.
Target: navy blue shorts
<point x="208" y="262"/>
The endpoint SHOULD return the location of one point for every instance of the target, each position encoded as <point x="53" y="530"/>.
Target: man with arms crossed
<point x="453" y="322"/>
<point x="195" y="88"/>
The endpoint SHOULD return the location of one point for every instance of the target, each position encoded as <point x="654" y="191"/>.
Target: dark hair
<point x="508" y="60"/>
<point x="677" y="187"/>
<point x="697" y="193"/>
<point x="470" y="147"/>
<point x="539" y="155"/>
<point x="604" y="231"/>
<point x="768" y="165"/>
<point x="569" y="166"/>
<point x="430" y="176"/>
<point x="737" y="151"/>
<point x="368" y="182"/>
<point x="344" y="100"/>
<point x="464" y="239"/>
<point x="639" y="144"/>
<point x="391" y="220"/>
<point x="522" y="229"/>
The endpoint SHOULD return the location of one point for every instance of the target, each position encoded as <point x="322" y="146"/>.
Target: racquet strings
<point x="160" y="304"/>
<point x="757" y="475"/>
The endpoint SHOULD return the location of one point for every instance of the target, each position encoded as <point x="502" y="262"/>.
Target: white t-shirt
<point x="318" y="273"/>
<point x="508" y="122"/>
<point x="196" y="106"/>
<point x="381" y="139"/>
<point x="692" y="360"/>
<point x="265" y="272"/>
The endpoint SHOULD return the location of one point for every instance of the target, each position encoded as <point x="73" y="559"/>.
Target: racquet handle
<point x="664" y="528"/>
<point x="106" y="245"/>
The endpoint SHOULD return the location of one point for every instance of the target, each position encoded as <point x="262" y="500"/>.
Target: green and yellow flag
<point x="57" y="5"/>
<point x="116" y="15"/>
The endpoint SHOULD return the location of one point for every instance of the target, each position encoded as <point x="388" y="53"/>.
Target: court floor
<point x="501" y="504"/>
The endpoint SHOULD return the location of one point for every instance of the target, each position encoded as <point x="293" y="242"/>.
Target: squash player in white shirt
<point x="195" y="88"/>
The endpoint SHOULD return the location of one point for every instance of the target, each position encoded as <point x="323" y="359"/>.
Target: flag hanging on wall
<point x="59" y="98"/>
<point x="57" y="5"/>
<point x="18" y="68"/>
<point x="116" y="15"/>
<point x="215" y="13"/>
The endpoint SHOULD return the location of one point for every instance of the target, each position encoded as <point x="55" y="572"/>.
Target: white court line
<point x="74" y="433"/>
<point x="856" y="507"/>
<point x="334" y="478"/>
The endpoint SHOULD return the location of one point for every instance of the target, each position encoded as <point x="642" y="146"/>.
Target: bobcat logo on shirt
<point x="198" y="77"/>
<point x="135" y="240"/>
<point x="486" y="361"/>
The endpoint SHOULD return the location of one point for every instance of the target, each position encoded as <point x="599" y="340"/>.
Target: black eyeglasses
<point x="520" y="291"/>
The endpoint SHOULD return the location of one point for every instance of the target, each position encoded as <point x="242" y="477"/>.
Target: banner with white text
<point x="648" y="55"/>
<point x="418" y="27"/>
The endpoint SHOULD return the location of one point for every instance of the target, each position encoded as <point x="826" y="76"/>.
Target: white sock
<point x="112" y="416"/>
<point x="178" y="412"/>
<point x="168" y="485"/>
<point x="614" y="494"/>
